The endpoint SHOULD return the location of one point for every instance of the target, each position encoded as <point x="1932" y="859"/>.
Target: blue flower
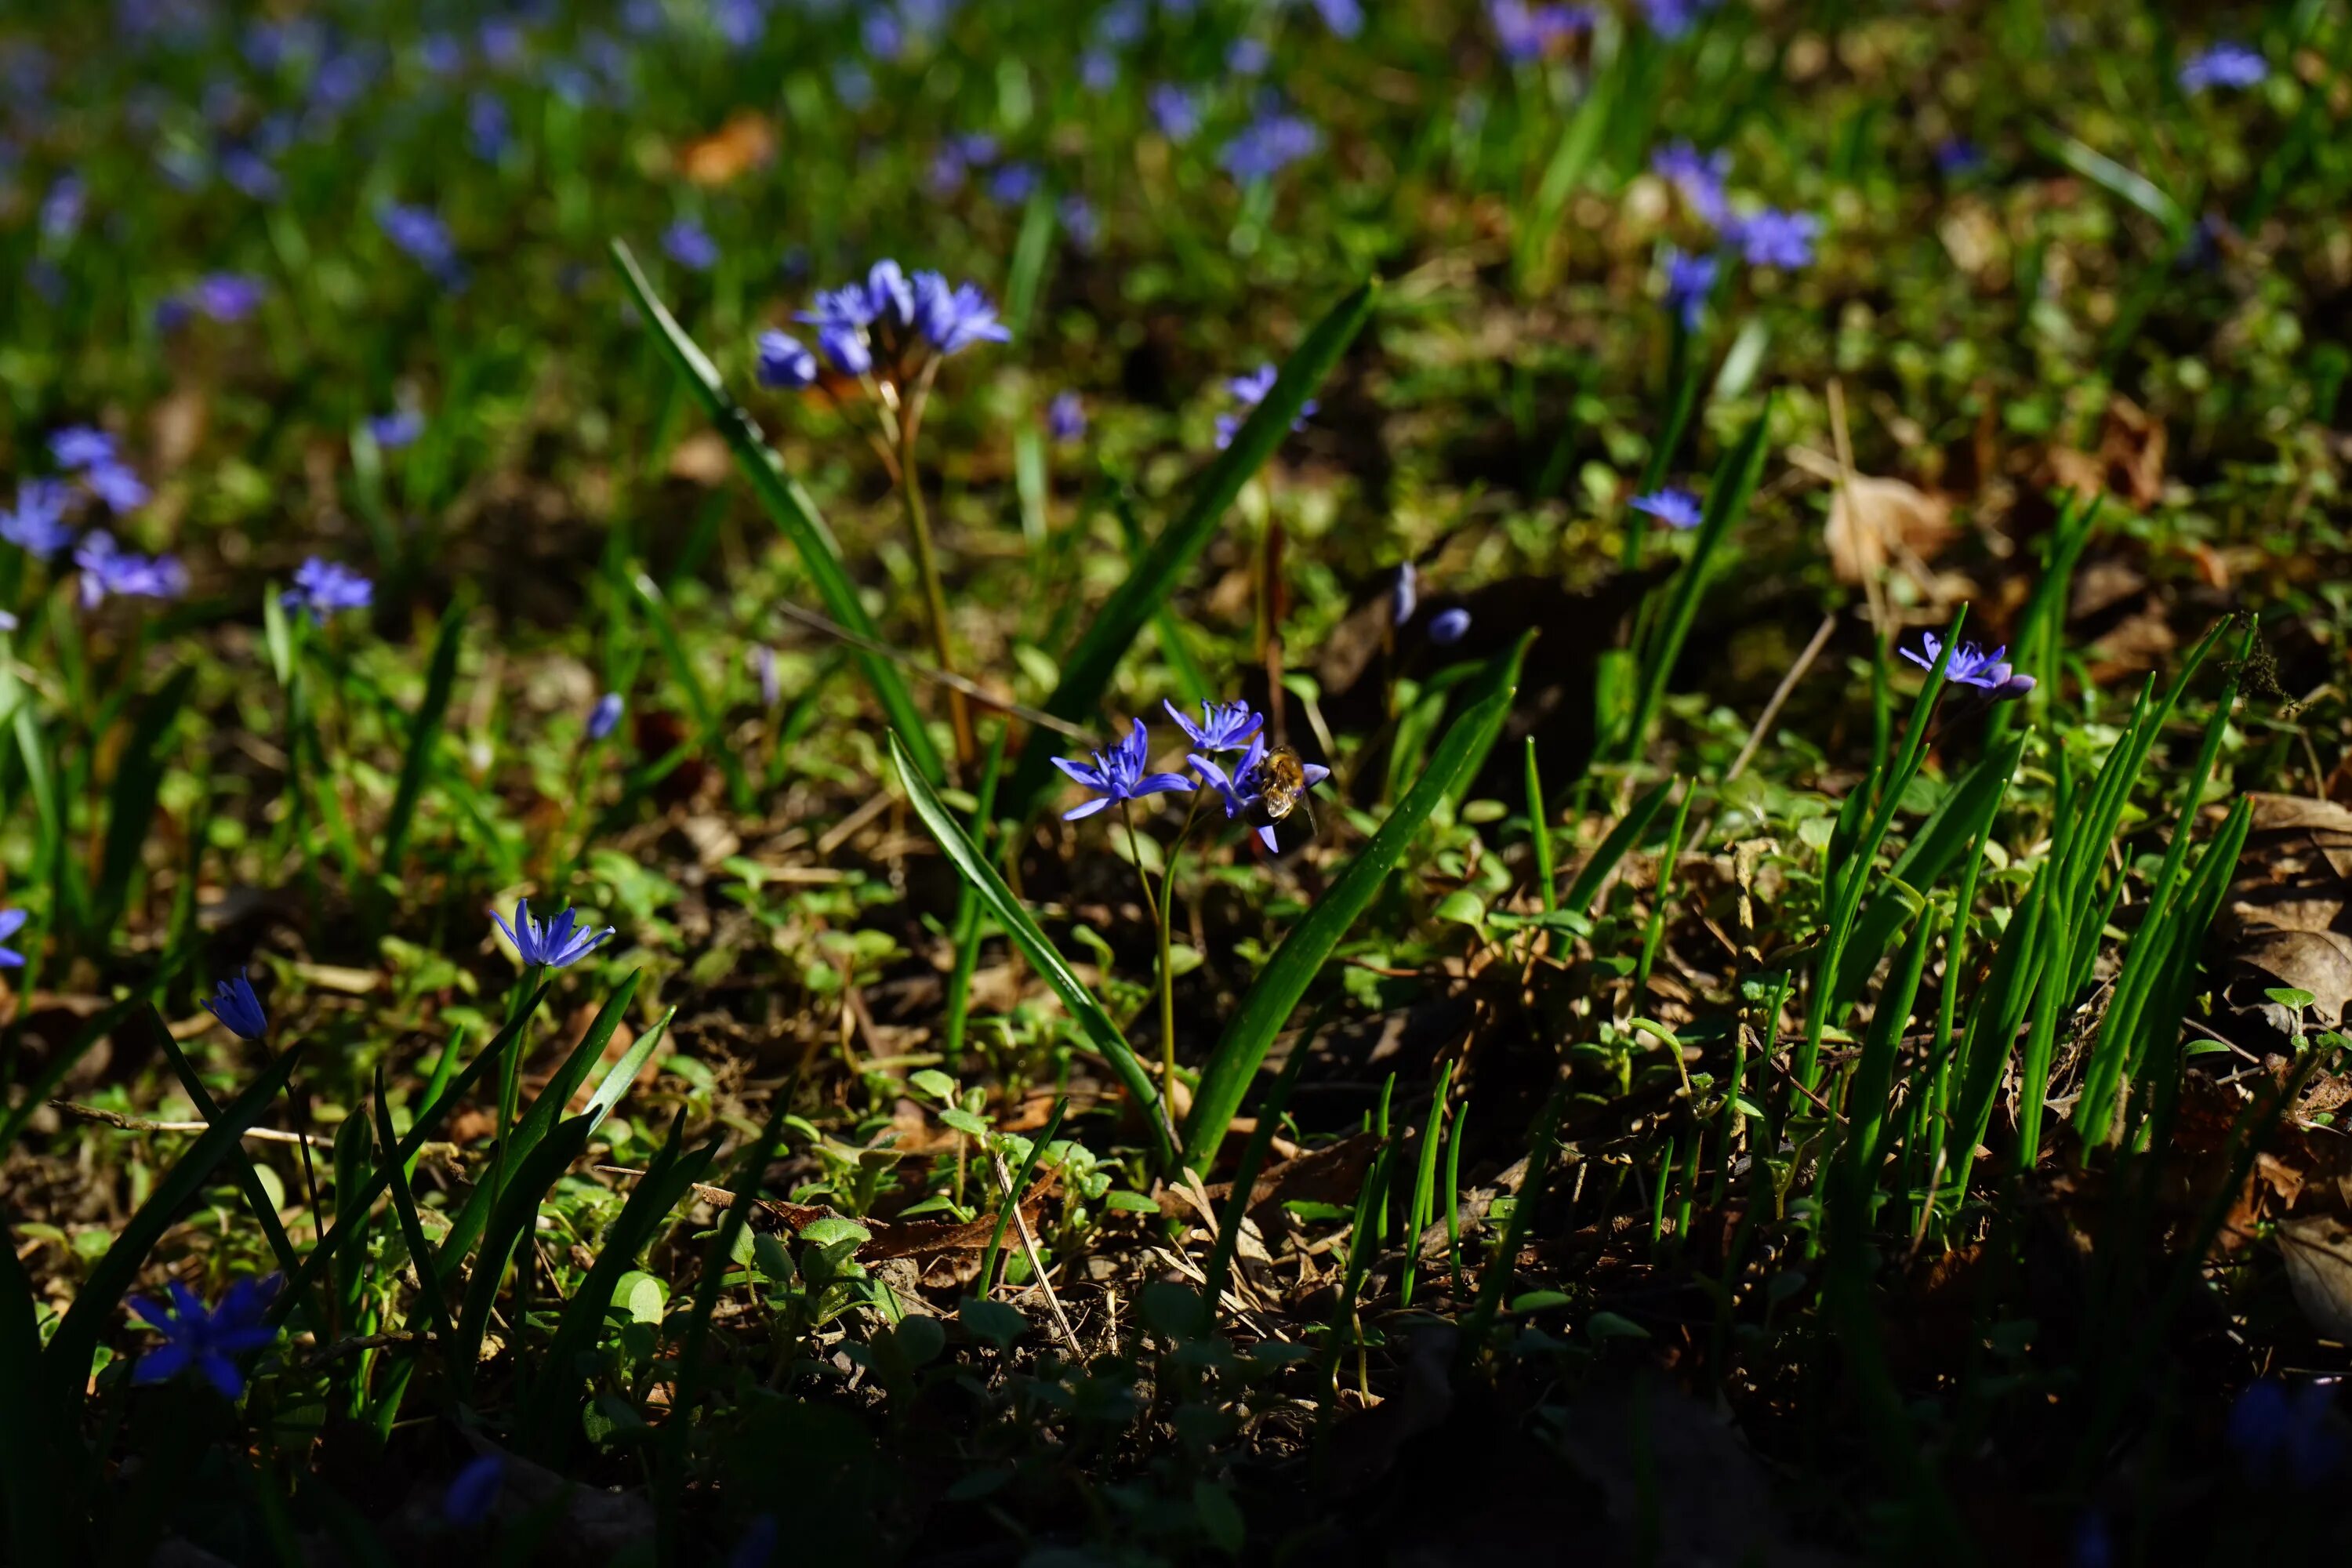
<point x="11" y="923"/>
<point x="1675" y="509"/>
<point x="557" y="944"/>
<point x="786" y="362"/>
<point x="1236" y="789"/>
<point x="1972" y="665"/>
<point x="1174" y="111"/>
<point x="1449" y="626"/>
<point x="1404" y="595"/>
<point x="2224" y="64"/>
<point x="1251" y="390"/>
<point x="848" y="348"/>
<point x="1223" y="726"/>
<point x="1269" y="144"/>
<point x="954" y="319"/>
<point x="1012" y="184"/>
<point x="251" y="174"/>
<point x="234" y="1005"/>
<point x="61" y="209"/>
<point x="488" y="127"/>
<point x="79" y="446"/>
<point x="1066" y="417"/>
<point x="1698" y="176"/>
<point x="689" y="245"/>
<point x="1077" y="215"/>
<point x="1525" y="32"/>
<point x="227" y="296"/>
<point x="399" y="429"/>
<point x="474" y="1491"/>
<point x="1776" y="238"/>
<point x="1690" y="279"/>
<point x="420" y="233"/>
<point x="1248" y="57"/>
<point x="1957" y="155"/>
<point x="323" y="588"/>
<point x="207" y="1341"/>
<point x="764" y="667"/>
<point x="1098" y="70"/>
<point x="1672" y="18"/>
<point x="2272" y="1428"/>
<point x="605" y="717"/>
<point x="117" y="486"/>
<point x="38" y="526"/>
<point x="1117" y="774"/>
<point x="108" y="569"/>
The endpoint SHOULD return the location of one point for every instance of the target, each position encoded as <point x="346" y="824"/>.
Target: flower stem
<point x="910" y="489"/>
<point x="1157" y="904"/>
<point x="510" y="1077"/>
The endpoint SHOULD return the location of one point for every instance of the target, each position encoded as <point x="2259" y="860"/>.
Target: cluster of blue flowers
<point x="887" y="324"/>
<point x="322" y="588"/>
<point x="1249" y="391"/>
<point x="38" y="524"/>
<point x="224" y="297"/>
<point x="2225" y="64"/>
<point x="1972" y="665"/>
<point x="1123" y="773"/>
<point x="1525" y="32"/>
<point x="1766" y="237"/>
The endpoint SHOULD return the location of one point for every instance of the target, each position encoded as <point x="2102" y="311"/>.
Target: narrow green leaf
<point x="1086" y="673"/>
<point x="1268" y="1004"/>
<point x="1614" y="847"/>
<point x="1092" y="1021"/>
<point x="131" y="803"/>
<point x="423" y="738"/>
<point x="35" y="1439"/>
<point x="412" y="1229"/>
<point x="788" y="506"/>
<point x="986" y="1280"/>
<point x="515" y="1216"/>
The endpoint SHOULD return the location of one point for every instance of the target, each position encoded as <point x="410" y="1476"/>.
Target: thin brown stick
<point x="1780" y="695"/>
<point x="260" y="1134"/>
<point x="947" y="678"/>
<point x="1037" y="1264"/>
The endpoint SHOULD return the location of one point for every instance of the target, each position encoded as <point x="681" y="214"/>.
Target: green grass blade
<point x="698" y="696"/>
<point x="788" y="506"/>
<point x="423" y="738"/>
<point x="1268" y="1004"/>
<point x="130" y="803"/>
<point x="34" y="1493"/>
<point x="61" y="1064"/>
<point x="412" y="1229"/>
<point x="981" y="877"/>
<point x="1614" y="847"/>
<point x="552" y="1416"/>
<point x="1086" y="673"/>
<point x="985" y="1282"/>
<point x="86" y="1321"/>
<point x="516" y="1213"/>
<point x="1539" y="834"/>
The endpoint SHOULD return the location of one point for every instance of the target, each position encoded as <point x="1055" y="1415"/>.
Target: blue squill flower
<point x="323" y="588"/>
<point x="1267" y="145"/>
<point x="1404" y="594"/>
<point x="785" y="363"/>
<point x="1065" y="418"/>
<point x="1238" y="790"/>
<point x="1174" y="111"/>
<point x="474" y="1491"/>
<point x="954" y="319"/>
<point x="1525" y="32"/>
<point x="1698" y="176"/>
<point x="234" y="1005"/>
<point x="1776" y="238"/>
<point x="1248" y="57"/>
<point x="106" y="568"/>
<point x="37" y="525"/>
<point x="420" y="233"/>
<point x="1672" y="18"/>
<point x="1972" y="665"/>
<point x="689" y="245"/>
<point x="757" y="1548"/>
<point x="61" y="209"/>
<point x="1957" y="156"/>
<point x="399" y="429"/>
<point x="2225" y="64"/>
<point x="1012" y="185"/>
<point x="1078" y="220"/>
<point x="1344" y="18"/>
<point x="487" y="128"/>
<point x="1119" y="774"/>
<point x="1449" y="626"/>
<point x="1250" y="391"/>
<point x="1675" y="509"/>
<point x="249" y="173"/>
<point x="11" y="923"/>
<point x="557" y="944"/>
<point x="227" y="296"/>
<point x="207" y="1339"/>
<point x="605" y="717"/>
<point x="117" y="486"/>
<point x="79" y="446"/>
<point x="1690" y="279"/>
<point x="1223" y="726"/>
<point x="1098" y="70"/>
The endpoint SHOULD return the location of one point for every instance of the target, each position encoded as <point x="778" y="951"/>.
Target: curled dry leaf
<point x="2318" y="1253"/>
<point x="1875" y="522"/>
<point x="2285" y="923"/>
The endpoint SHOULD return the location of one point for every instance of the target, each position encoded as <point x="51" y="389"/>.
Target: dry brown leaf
<point x="703" y="459"/>
<point x="2318" y="1253"/>
<point x="2129" y="461"/>
<point x="747" y="142"/>
<point x="1875" y="521"/>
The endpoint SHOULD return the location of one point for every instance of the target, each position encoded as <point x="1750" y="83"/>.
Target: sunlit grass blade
<point x="1614" y="847"/>
<point x="424" y="739"/>
<point x="433" y="1303"/>
<point x="1088" y="669"/>
<point x="986" y="1280"/>
<point x="1093" y="1022"/>
<point x="130" y="802"/>
<point x="1267" y="1006"/>
<point x="101" y="1293"/>
<point x="511" y="1222"/>
<point x="787" y="505"/>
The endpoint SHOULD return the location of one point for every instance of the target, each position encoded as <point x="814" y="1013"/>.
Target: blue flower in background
<point x="605" y="717"/>
<point x="763" y="669"/>
<point x="79" y="446"/>
<point x="2224" y="64"/>
<point x="852" y="84"/>
<point x="1344" y="18"/>
<point x="1525" y="32"/>
<point x="234" y="1005"/>
<point x="1972" y="665"/>
<point x="474" y="1491"/>
<point x="1672" y="18"/>
<point x="2273" y="1429"/>
<point x="1269" y="144"/>
<point x="1675" y="509"/>
<point x="558" y="944"/>
<point x="1077" y="215"/>
<point x="1012" y="184"/>
<point x="1065" y="418"/>
<point x="117" y="486"/>
<point x="1098" y="70"/>
<point x="1690" y="281"/>
<point x="1776" y="238"/>
<point x="885" y="39"/>
<point x="229" y="295"/>
<point x="208" y="1340"/>
<point x="1250" y="391"/>
<point x="37" y="525"/>
<point x="322" y="588"/>
<point x="1698" y="176"/>
<point x="1248" y="57"/>
<point x="1175" y="112"/>
<point x="689" y="245"/>
<point x="785" y="363"/>
<point x="1223" y="726"/>
<point x="11" y="923"/>
<point x="61" y="209"/>
<point x="757" y="1548"/>
<point x="251" y="174"/>
<point x="954" y="319"/>
<point x="1119" y="774"/>
<point x="1957" y="156"/>
<point x="741" y="23"/>
<point x="488" y="127"/>
<point x="108" y="569"/>
<point x="1404" y="594"/>
<point x="441" y="54"/>
<point x="1449" y="626"/>
<point x="399" y="429"/>
<point x="420" y="233"/>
